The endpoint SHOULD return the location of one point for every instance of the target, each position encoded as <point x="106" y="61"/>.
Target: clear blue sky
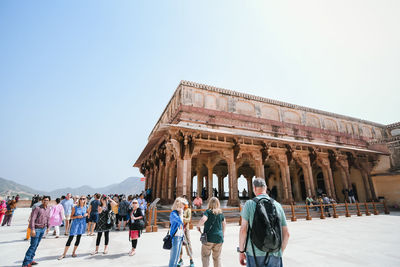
<point x="82" y="83"/>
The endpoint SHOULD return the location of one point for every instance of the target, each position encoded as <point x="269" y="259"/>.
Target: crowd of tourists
<point x="101" y="214"/>
<point x="7" y="208"/>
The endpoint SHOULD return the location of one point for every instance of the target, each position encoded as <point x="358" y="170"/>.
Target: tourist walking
<point x="136" y="225"/>
<point x="115" y="211"/>
<point x="56" y="218"/>
<point x="39" y="221"/>
<point x="10" y="208"/>
<point x="105" y="223"/>
<point x="142" y="203"/>
<point x="187" y="217"/>
<point x="78" y="226"/>
<point x="123" y="213"/>
<point x="197" y="202"/>
<point x="351" y="194"/>
<point x="67" y="204"/>
<point x="176" y="231"/>
<point x="214" y="226"/>
<point x="254" y="225"/>
<point x="3" y="209"/>
<point x="93" y="212"/>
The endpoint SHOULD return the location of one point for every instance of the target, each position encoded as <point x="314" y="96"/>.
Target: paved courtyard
<point x="355" y="241"/>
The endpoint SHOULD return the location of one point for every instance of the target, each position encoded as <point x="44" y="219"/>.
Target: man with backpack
<point x="264" y="233"/>
<point x="123" y="212"/>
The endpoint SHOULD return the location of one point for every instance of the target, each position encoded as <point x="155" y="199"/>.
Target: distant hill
<point x="131" y="185"/>
<point x="10" y="188"/>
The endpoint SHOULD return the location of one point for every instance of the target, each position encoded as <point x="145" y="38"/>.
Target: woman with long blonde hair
<point x="214" y="226"/>
<point x="176" y="221"/>
<point x="78" y="225"/>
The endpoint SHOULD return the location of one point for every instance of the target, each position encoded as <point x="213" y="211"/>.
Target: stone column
<point x="303" y="159"/>
<point x="371" y="185"/>
<point x="233" y="188"/>
<point x="364" y="176"/>
<point x="199" y="181"/>
<point x="171" y="177"/>
<point x="259" y="169"/>
<point x="184" y="168"/>
<point x="155" y="181"/>
<point x="165" y="179"/>
<point x="297" y="187"/>
<point x="159" y="179"/>
<point x="210" y="181"/>
<point x="220" y="186"/>
<point x="146" y="175"/>
<point x="172" y="182"/>
<point x="249" y="187"/>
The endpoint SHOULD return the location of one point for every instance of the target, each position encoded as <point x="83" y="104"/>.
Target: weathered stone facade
<point x="206" y="131"/>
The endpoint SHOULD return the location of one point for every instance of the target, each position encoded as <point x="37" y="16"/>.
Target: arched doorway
<point x="243" y="187"/>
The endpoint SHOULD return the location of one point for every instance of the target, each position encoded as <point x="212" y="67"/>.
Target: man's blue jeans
<point x="175" y="250"/>
<point x="30" y="254"/>
<point x="272" y="261"/>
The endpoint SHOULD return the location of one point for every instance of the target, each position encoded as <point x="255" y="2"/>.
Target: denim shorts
<point x="272" y="261"/>
<point x="94" y="217"/>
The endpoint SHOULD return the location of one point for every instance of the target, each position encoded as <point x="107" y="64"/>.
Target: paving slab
<point x="354" y="241"/>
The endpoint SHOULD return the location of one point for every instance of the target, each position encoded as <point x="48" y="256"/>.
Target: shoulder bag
<point x="203" y="236"/>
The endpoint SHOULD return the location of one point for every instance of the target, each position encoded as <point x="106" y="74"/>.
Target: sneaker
<point x="34" y="263"/>
<point x="180" y="263"/>
<point x="191" y="263"/>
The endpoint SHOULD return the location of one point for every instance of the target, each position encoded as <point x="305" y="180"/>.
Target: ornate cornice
<point x="274" y="102"/>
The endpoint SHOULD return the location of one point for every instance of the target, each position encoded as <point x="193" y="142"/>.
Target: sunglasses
<point x="82" y="199"/>
<point x="135" y="202"/>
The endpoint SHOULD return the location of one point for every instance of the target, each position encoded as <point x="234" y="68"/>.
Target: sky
<point x="82" y="83"/>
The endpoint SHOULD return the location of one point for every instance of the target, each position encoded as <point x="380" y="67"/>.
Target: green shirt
<point x="248" y="214"/>
<point x="214" y="230"/>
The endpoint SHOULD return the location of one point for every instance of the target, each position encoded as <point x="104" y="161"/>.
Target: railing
<point x="293" y="212"/>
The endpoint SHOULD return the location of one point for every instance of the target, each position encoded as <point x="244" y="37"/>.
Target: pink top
<point x="56" y="215"/>
<point x="3" y="207"/>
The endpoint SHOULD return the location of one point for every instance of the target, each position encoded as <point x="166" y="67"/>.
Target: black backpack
<point x="265" y="232"/>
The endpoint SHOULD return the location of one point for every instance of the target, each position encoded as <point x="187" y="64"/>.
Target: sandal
<point x="94" y="252"/>
<point x="74" y="255"/>
<point x="105" y="252"/>
<point x="61" y="257"/>
<point x="132" y="252"/>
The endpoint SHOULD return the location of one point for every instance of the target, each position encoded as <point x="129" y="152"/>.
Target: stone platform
<point x="355" y="241"/>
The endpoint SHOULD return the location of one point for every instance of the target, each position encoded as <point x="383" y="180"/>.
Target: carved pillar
<point x="220" y="186"/>
<point x="260" y="169"/>
<point x="155" y="181"/>
<point x="280" y="157"/>
<point x="146" y="175"/>
<point x="323" y="162"/>
<point x="233" y="188"/>
<point x="279" y="184"/>
<point x="210" y="181"/>
<point x="344" y="171"/>
<point x="250" y="186"/>
<point x="160" y="178"/>
<point x="165" y="179"/>
<point x="184" y="176"/>
<point x="172" y="182"/>
<point x="170" y="177"/>
<point x="364" y="176"/>
<point x="199" y="181"/>
<point x="371" y="185"/>
<point x="297" y="187"/>
<point x="303" y="159"/>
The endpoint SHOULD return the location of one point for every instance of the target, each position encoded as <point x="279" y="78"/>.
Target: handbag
<point x="203" y="236"/>
<point x="138" y="225"/>
<point x="168" y="241"/>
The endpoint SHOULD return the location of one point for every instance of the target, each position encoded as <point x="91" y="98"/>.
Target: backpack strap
<point x="256" y="200"/>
